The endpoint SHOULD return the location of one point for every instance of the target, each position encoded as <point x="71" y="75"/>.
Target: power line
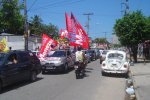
<point x="55" y="4"/>
<point x="32" y="5"/>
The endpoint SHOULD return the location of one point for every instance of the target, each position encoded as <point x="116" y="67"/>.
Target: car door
<point x="10" y="70"/>
<point x="24" y="65"/>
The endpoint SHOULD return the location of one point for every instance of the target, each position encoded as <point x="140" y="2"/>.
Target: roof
<point x="116" y="51"/>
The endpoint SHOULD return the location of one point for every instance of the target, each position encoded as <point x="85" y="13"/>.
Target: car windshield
<point x="115" y="56"/>
<point x="2" y="56"/>
<point x="57" y="54"/>
<point x="91" y="51"/>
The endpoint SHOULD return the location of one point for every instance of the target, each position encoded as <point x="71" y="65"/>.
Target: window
<point x="115" y="56"/>
<point x="58" y="54"/>
<point x="24" y="56"/>
<point x="12" y="59"/>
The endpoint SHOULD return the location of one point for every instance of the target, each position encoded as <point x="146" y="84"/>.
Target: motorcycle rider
<point x="80" y="57"/>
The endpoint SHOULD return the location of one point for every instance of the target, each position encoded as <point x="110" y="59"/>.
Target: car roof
<point x="116" y="51"/>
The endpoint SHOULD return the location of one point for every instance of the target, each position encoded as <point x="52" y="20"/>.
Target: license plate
<point x="49" y="68"/>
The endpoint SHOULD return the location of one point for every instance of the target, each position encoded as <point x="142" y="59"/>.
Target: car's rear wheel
<point x="33" y="76"/>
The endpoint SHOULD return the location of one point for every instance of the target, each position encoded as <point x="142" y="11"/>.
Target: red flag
<point x="47" y="44"/>
<point x="83" y="37"/>
<point x="68" y="23"/>
<point x="79" y="37"/>
<point x="44" y="39"/>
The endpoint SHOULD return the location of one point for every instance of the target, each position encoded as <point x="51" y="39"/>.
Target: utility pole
<point x="25" y="27"/>
<point x="126" y="11"/>
<point x="88" y="25"/>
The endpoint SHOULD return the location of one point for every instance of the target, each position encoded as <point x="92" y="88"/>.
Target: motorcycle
<point x="79" y="70"/>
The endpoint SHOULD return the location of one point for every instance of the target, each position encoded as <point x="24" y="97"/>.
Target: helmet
<point x="79" y="48"/>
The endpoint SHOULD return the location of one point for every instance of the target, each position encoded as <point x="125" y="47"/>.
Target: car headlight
<point x="43" y="62"/>
<point x="59" y="60"/>
<point x="103" y="64"/>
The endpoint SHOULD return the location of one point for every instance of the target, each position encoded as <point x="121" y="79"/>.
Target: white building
<point x="18" y="42"/>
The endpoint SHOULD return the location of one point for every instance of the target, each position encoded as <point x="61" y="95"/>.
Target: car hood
<point x="54" y="58"/>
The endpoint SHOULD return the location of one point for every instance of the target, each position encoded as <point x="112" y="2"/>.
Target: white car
<point x="116" y="62"/>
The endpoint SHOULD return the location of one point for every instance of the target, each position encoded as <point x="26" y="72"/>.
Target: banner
<point x="47" y="44"/>
<point x="82" y="37"/>
<point x="3" y="45"/>
<point x="44" y="39"/>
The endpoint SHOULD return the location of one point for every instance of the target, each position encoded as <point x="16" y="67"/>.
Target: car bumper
<point x="52" y="67"/>
<point x="115" y="71"/>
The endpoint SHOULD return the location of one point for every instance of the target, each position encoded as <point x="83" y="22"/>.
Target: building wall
<point x="18" y="43"/>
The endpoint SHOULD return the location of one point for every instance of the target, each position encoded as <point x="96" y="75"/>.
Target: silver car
<point x="59" y="60"/>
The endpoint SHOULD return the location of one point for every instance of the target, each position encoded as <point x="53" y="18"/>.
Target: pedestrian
<point x="144" y="52"/>
<point x="10" y="48"/>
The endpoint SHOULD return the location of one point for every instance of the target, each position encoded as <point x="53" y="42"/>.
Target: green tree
<point x="11" y="20"/>
<point x="101" y="40"/>
<point x="131" y="30"/>
<point x="35" y="25"/>
<point x="53" y="31"/>
<point x="38" y="28"/>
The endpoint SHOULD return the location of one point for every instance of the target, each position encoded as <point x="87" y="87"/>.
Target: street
<point x="66" y="87"/>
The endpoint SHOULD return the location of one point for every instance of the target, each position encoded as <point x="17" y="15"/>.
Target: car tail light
<point x="125" y="66"/>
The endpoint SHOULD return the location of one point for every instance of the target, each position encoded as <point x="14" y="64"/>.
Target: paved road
<point x="66" y="87"/>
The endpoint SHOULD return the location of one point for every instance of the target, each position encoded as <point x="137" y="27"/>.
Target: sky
<point x="105" y="13"/>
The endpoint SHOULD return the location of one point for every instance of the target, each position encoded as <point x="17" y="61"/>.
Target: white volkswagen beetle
<point x="116" y="62"/>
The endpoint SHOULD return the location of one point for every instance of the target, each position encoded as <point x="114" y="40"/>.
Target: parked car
<point x="116" y="62"/>
<point x="103" y="55"/>
<point x="100" y="51"/>
<point x="17" y="65"/>
<point x="92" y="54"/>
<point x="96" y="52"/>
<point x="59" y="60"/>
<point x="87" y="56"/>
